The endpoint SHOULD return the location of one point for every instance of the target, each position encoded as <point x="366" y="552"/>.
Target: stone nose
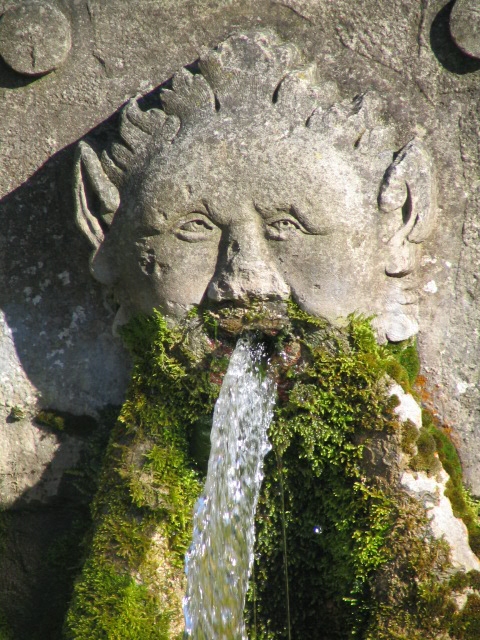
<point x="245" y="271"/>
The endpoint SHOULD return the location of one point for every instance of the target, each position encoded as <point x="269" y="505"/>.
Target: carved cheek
<point x="302" y="257"/>
<point x="173" y="270"/>
<point x="147" y="261"/>
<point x="320" y="269"/>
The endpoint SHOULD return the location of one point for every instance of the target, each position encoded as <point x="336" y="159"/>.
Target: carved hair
<point x="252" y="73"/>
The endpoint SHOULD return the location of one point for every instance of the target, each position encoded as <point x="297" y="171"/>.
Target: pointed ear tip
<point x="82" y="149"/>
<point x="85" y="155"/>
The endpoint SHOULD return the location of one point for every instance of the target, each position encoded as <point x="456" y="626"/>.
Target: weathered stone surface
<point x="34" y="37"/>
<point x="465" y="26"/>
<point x="32" y="463"/>
<point x="408" y="408"/>
<point x="400" y="52"/>
<point x="444" y="525"/>
<point x="252" y="165"/>
<point x="405" y="54"/>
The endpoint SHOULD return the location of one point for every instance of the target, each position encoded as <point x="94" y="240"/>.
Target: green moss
<point x="409" y="438"/>
<point x="132" y="583"/>
<point x="445" y="447"/>
<point x="461" y="581"/>
<point x="427" y="458"/>
<point x="341" y="552"/>
<point x="466" y="624"/>
<point x="118" y="607"/>
<point x="353" y="545"/>
<point x="405" y="354"/>
<point x="50" y="419"/>
<point x="463" y="505"/>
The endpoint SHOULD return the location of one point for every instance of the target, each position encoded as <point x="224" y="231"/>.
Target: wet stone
<point x="34" y="38"/>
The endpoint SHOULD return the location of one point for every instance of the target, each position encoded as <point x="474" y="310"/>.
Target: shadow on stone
<point x="10" y="79"/>
<point x="444" y="47"/>
<point x="41" y="533"/>
<point x="57" y="341"/>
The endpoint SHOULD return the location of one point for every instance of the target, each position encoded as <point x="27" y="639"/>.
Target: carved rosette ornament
<point x="254" y="181"/>
<point x="35" y="37"/>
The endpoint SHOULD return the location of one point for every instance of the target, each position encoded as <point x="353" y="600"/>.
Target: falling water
<point x="220" y="559"/>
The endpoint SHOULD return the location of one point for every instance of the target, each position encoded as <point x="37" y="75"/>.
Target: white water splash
<point x="220" y="559"/>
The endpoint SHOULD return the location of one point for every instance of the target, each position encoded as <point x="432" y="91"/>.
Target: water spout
<point x="220" y="559"/>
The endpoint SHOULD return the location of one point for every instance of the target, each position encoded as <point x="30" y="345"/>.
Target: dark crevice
<point x="357" y="142"/>
<point x="407" y="207"/>
<point x="194" y="67"/>
<point x="276" y="91"/>
<point x="357" y="103"/>
<point x="307" y="121"/>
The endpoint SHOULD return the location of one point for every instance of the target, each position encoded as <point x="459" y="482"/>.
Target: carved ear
<point x="408" y="196"/>
<point x="96" y="197"/>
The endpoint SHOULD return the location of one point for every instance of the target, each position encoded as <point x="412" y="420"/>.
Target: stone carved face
<point x="244" y="189"/>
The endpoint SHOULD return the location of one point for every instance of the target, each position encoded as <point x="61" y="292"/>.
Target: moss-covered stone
<point x="360" y="558"/>
<point x="341" y="551"/>
<point x="132" y="582"/>
<point x="405" y="363"/>
<point x="463" y="505"/>
<point x="426" y="459"/>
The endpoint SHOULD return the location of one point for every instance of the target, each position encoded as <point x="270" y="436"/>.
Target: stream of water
<point x="220" y="558"/>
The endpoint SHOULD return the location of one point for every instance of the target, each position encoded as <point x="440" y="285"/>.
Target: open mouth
<point x="267" y="317"/>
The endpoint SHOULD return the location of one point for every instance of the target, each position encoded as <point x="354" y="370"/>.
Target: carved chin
<point x="398" y="317"/>
<point x="123" y="315"/>
<point x="395" y="326"/>
<point x="400" y="326"/>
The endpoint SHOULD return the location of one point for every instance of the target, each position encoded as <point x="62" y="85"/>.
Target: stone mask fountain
<point x="252" y="184"/>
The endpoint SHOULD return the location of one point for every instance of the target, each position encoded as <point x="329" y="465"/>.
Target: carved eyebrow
<point x="209" y="211"/>
<point x="270" y="212"/>
<point x="162" y="220"/>
<point x="156" y="223"/>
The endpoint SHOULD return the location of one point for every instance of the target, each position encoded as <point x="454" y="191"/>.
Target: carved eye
<point x="195" y="228"/>
<point x="283" y="228"/>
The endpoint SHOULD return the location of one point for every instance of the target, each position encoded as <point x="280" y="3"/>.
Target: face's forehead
<point x="230" y="175"/>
